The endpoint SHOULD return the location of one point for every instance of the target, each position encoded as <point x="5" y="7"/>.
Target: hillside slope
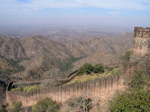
<point x="42" y="57"/>
<point x="98" y="58"/>
<point x="111" y="45"/>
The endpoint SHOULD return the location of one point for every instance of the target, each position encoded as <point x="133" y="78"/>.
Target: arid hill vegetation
<point x="42" y="57"/>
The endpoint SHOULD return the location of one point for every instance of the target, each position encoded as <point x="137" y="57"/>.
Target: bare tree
<point x="84" y="103"/>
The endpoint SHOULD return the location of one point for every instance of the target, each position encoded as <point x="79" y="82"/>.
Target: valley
<point x="74" y="56"/>
<point x="42" y="57"/>
<point x="36" y="68"/>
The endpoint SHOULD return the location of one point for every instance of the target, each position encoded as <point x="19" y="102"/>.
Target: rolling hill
<point x="41" y="57"/>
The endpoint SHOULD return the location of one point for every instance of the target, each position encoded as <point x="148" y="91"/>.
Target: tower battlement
<point x="141" y="46"/>
<point x="142" y="32"/>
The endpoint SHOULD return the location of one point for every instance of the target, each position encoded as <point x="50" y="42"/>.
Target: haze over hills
<point x="64" y="34"/>
<point x="105" y="44"/>
<point x="74" y="50"/>
<point x="42" y="57"/>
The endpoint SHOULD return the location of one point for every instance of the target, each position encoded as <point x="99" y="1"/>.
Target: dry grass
<point x="26" y="89"/>
<point x="85" y="77"/>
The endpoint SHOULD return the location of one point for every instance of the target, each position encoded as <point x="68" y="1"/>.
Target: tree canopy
<point x="88" y="69"/>
<point x="134" y="101"/>
<point x="46" y="105"/>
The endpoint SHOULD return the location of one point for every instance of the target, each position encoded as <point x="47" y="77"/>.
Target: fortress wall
<point x="141" y="43"/>
<point x="37" y="81"/>
<point x="22" y="83"/>
<point x="15" y="96"/>
<point x="99" y="88"/>
<point x="26" y="84"/>
<point x="141" y="32"/>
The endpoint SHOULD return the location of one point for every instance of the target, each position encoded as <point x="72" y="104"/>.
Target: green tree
<point x="134" y="101"/>
<point x="86" y="68"/>
<point x="98" y="68"/>
<point x="46" y="105"/>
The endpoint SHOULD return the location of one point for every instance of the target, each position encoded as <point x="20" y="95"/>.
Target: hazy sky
<point x="75" y="12"/>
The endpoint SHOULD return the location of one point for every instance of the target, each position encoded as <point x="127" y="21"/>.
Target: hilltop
<point x="42" y="57"/>
<point x="92" y="81"/>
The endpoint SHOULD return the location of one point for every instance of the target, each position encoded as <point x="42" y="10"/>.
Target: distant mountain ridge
<point x="110" y="45"/>
<point x="41" y="56"/>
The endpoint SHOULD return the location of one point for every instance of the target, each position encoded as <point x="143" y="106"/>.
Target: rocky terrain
<point x="96" y="58"/>
<point x="37" y="56"/>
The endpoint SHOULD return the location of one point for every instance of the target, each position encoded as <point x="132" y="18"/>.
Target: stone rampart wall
<point x="100" y="88"/>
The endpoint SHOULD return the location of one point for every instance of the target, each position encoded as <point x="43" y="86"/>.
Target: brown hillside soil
<point x="43" y="57"/>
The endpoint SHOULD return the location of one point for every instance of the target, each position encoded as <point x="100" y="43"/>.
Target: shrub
<point x="2" y="109"/>
<point x="134" y="101"/>
<point x="98" y="68"/>
<point x="88" y="69"/>
<point x="16" y="107"/>
<point x="114" y="71"/>
<point x="126" y="56"/>
<point x="46" y="105"/>
<point x="137" y="80"/>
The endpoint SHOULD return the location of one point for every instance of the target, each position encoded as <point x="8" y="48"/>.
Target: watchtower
<point x="141" y="46"/>
<point x="142" y="32"/>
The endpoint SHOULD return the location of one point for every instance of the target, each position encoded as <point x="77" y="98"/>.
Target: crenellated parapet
<point x="142" y="32"/>
<point x="141" y="46"/>
<point x="140" y="52"/>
